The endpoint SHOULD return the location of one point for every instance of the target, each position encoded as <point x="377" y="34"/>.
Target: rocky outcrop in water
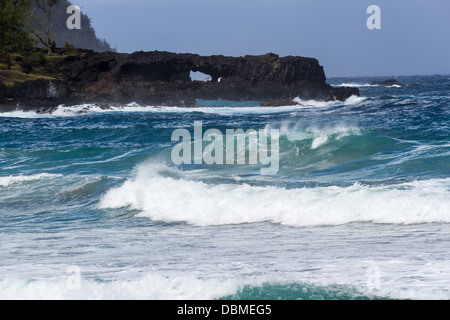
<point x="389" y="83"/>
<point x="163" y="78"/>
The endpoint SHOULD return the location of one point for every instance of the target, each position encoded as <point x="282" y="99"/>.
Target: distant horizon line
<point x="392" y="76"/>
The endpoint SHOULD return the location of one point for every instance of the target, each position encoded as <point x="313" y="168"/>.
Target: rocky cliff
<point x="163" y="78"/>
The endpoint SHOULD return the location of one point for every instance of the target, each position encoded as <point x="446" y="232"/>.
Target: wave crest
<point x="82" y="109"/>
<point x="171" y="199"/>
<point x="10" y="180"/>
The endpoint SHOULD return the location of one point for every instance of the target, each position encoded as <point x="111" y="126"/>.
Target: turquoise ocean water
<point x="92" y="206"/>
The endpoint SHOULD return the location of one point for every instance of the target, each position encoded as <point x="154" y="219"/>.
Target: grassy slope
<point x="42" y="68"/>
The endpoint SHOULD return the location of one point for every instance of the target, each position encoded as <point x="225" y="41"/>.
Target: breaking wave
<point x="187" y="287"/>
<point x="362" y="85"/>
<point x="11" y="180"/>
<point x="161" y="197"/>
<point x="353" y="100"/>
<point x="83" y="109"/>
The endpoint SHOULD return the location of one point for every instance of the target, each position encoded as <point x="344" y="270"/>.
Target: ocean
<point x="92" y="205"/>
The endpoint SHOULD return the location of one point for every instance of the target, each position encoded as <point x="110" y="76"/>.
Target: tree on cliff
<point x="84" y="38"/>
<point x="24" y="23"/>
<point x="13" y="37"/>
<point x="45" y="7"/>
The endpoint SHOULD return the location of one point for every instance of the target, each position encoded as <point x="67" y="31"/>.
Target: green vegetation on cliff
<point x="13" y="35"/>
<point x="26" y="26"/>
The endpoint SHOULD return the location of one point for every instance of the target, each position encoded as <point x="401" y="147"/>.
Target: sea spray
<point x="167" y="199"/>
<point x="249" y="147"/>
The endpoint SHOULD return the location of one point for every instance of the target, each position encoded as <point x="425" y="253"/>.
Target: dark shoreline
<point x="163" y="79"/>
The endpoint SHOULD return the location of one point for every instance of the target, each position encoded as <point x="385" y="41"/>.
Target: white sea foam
<point x="319" y="135"/>
<point x="353" y="100"/>
<point x="83" y="109"/>
<point x="157" y="286"/>
<point x="355" y="85"/>
<point x="322" y="136"/>
<point x="10" y="180"/>
<point x="21" y="114"/>
<point x="180" y="200"/>
<point x="151" y="287"/>
<point x="362" y="85"/>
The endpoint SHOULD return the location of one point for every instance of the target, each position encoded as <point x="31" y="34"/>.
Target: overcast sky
<point x="414" y="37"/>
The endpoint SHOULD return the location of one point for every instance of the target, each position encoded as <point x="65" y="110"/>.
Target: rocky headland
<point x="163" y="79"/>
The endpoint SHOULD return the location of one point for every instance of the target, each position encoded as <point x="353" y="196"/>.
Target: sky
<point x="414" y="38"/>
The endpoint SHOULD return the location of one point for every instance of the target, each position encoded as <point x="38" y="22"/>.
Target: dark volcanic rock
<point x="38" y="95"/>
<point x="163" y="78"/>
<point x="388" y="83"/>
